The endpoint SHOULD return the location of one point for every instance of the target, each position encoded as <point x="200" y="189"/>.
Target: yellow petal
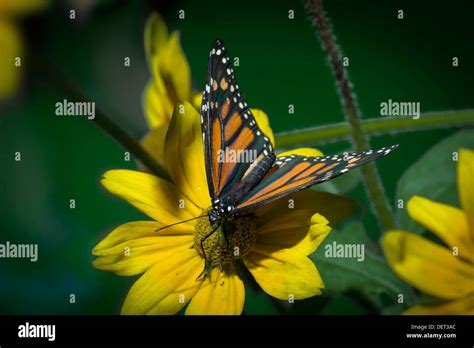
<point x="466" y="187"/>
<point x="264" y="124"/>
<point x="295" y="230"/>
<point x="284" y="274"/>
<point x="196" y="99"/>
<point x="166" y="287"/>
<point x="333" y="207"/>
<point x="21" y="7"/>
<point x="154" y="143"/>
<point x="303" y="151"/>
<point x="462" y="306"/>
<point x="300" y="227"/>
<point x="11" y="47"/>
<point x="428" y="266"/>
<point x="184" y="155"/>
<point x="171" y="72"/>
<point x="157" y="106"/>
<point x="157" y="198"/>
<point x="449" y="223"/>
<point x="221" y="293"/>
<point x="155" y="35"/>
<point x="134" y="247"/>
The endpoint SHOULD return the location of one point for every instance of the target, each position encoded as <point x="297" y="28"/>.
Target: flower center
<point x="240" y="233"/>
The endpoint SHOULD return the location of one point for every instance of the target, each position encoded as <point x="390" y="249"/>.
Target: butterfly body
<point x="238" y="187"/>
<point x="225" y="206"/>
<point x="219" y="211"/>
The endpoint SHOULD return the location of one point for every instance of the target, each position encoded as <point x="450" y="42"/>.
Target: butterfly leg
<point x="207" y="265"/>
<point x="220" y="252"/>
<point x="227" y="242"/>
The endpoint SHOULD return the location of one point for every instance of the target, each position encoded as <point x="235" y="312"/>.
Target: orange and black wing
<point x="294" y="173"/>
<point x="228" y="127"/>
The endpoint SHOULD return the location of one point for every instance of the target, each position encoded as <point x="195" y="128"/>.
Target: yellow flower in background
<point x="170" y="82"/>
<point x="11" y="46"/>
<point x="274" y="243"/>
<point x="170" y="73"/>
<point x="443" y="272"/>
<point x="169" y="85"/>
<point x="11" y="42"/>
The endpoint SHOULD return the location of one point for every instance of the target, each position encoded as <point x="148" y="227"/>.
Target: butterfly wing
<point x="294" y="173"/>
<point x="227" y="125"/>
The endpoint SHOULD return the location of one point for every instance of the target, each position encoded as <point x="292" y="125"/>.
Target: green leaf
<point x="370" y="278"/>
<point x="433" y="176"/>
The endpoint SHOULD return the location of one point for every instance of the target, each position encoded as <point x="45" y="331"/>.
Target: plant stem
<point x="376" y="126"/>
<point x="135" y="148"/>
<point x="71" y="91"/>
<point x="130" y="144"/>
<point x="372" y="181"/>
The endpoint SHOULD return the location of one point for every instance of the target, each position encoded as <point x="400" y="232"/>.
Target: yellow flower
<point x="11" y="42"/>
<point x="274" y="243"/>
<point x="169" y="85"/>
<point x="170" y="82"/>
<point x="446" y="273"/>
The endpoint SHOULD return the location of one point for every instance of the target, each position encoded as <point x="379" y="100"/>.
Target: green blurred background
<point x="281" y="63"/>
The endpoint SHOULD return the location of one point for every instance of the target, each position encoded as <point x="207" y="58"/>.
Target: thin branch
<point x="372" y="180"/>
<point x="376" y="126"/>
<point x="67" y="88"/>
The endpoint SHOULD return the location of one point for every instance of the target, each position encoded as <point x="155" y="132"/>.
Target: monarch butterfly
<point x="238" y="187"/>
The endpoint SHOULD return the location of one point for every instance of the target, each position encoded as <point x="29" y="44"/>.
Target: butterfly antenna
<point x="177" y="223"/>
